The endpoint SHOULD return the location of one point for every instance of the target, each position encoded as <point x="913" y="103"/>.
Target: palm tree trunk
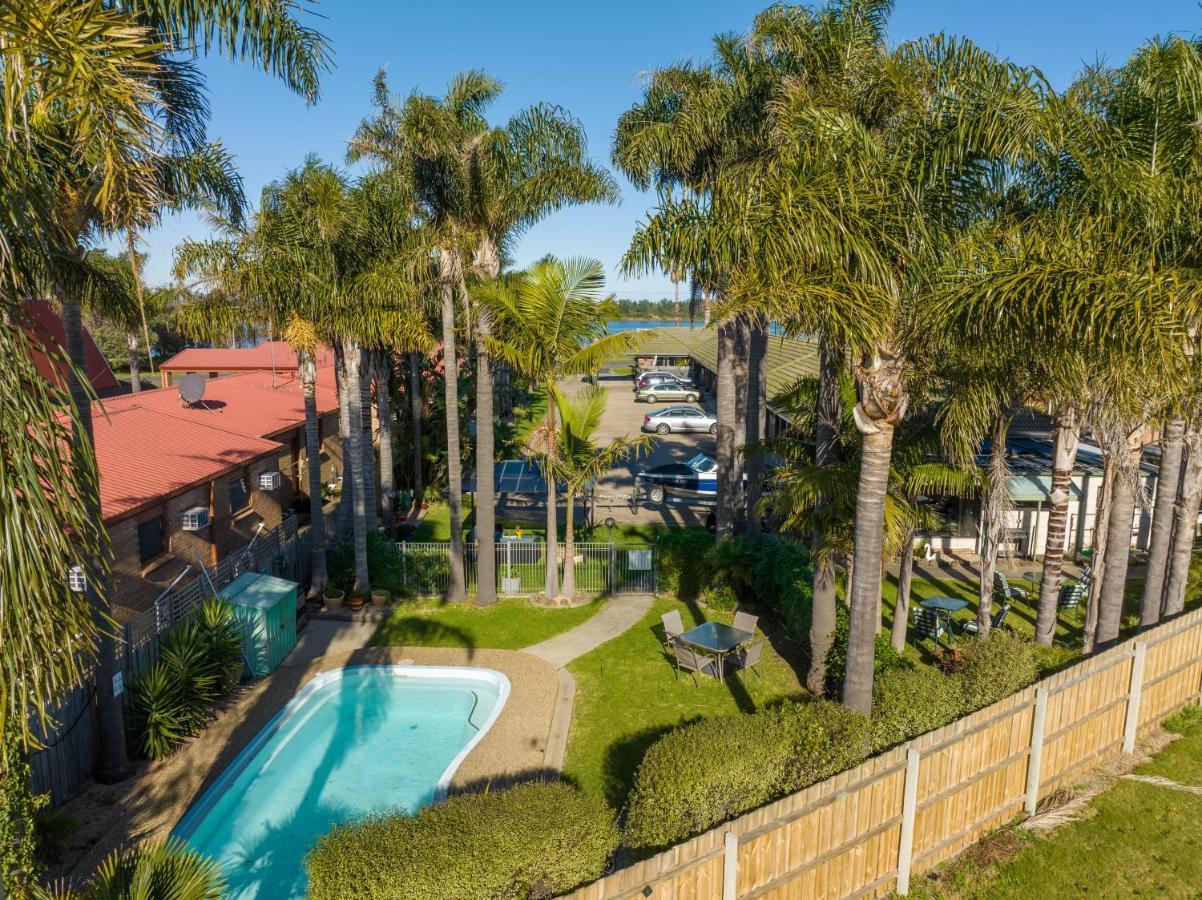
<point x="353" y="364"/>
<point x="1160" y="545"/>
<point x="740" y="365"/>
<point x="1064" y="457"/>
<point x="1118" y="544"/>
<point x="135" y="377"/>
<point x="384" y="416"/>
<point x="866" y="587"/>
<point x="993" y="510"/>
<point x="729" y="490"/>
<point x="827" y="420"/>
<point x="135" y="264"/>
<point x="415" y="413"/>
<point x="345" y="511"/>
<point x="112" y="761"/>
<point x="367" y="448"/>
<point x="569" y="547"/>
<point x="1100" y="531"/>
<point x="448" y="266"/>
<point x="901" y="609"/>
<point x="1186" y="520"/>
<point x="757" y="412"/>
<point x="486" y="498"/>
<point x="552" y="585"/>
<point x="317" y="525"/>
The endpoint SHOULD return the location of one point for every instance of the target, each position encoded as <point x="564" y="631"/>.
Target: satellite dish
<point x="192" y="388"/>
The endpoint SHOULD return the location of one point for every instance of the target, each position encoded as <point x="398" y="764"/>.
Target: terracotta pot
<point x="380" y="598"/>
<point x="333" y="598"/>
<point x="354" y="602"/>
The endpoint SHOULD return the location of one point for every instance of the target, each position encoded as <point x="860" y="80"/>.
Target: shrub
<point x="783" y="580"/>
<point x="700" y="775"/>
<point x="996" y="667"/>
<point x="198" y="662"/>
<point x="157" y="870"/>
<point x="721" y="597"/>
<point x="885" y="658"/>
<point x="683" y="568"/>
<point x="532" y="841"/>
<point x="910" y="702"/>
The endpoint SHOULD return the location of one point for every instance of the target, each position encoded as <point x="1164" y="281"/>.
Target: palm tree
<point x="551" y="322"/>
<point x="578" y="462"/>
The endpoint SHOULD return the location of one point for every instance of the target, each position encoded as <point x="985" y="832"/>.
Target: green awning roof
<point x="1034" y="488"/>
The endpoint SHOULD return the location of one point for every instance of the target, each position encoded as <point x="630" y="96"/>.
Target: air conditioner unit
<point x="76" y="579"/>
<point x="269" y="481"/>
<point x="195" y="518"/>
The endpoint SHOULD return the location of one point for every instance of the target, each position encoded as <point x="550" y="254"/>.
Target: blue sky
<point x="589" y="58"/>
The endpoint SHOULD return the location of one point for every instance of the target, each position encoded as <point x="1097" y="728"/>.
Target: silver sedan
<point x="676" y="419"/>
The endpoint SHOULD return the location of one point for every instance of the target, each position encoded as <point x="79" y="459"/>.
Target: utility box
<point x="266" y="608"/>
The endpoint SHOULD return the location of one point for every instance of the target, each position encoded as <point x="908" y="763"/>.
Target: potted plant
<point x="333" y="597"/>
<point x="354" y="602"/>
<point x="380" y="597"/>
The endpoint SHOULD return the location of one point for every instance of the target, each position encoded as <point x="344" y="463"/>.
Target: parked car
<point x="680" y="419"/>
<point x="667" y="390"/>
<point x="649" y="379"/>
<point x="696" y="479"/>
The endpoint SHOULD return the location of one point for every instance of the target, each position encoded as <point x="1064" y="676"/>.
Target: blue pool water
<point x="354" y="741"/>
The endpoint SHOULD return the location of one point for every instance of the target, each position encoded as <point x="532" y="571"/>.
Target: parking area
<point x="624" y="416"/>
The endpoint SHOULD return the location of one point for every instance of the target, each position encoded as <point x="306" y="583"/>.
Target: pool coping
<point x="149" y="805"/>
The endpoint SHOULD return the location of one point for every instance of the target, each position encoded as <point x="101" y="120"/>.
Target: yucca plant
<point x="223" y="641"/>
<point x="160" y="719"/>
<point x="185" y="652"/>
<point x="161" y="870"/>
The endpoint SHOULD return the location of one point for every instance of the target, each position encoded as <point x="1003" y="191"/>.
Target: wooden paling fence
<point x="869" y="830"/>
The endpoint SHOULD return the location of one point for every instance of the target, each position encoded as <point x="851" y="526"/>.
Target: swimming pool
<point x="353" y="741"/>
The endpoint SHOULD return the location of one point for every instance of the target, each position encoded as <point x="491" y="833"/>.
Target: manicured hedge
<point x="995" y="668"/>
<point x="533" y="841"/>
<point x="702" y="774"/>
<point x="885" y="658"/>
<point x="910" y="702"/>
<point x="683" y="566"/>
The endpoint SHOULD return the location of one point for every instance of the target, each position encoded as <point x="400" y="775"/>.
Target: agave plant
<point x="185" y="652"/>
<point x="159" y="717"/>
<point x="223" y="641"/>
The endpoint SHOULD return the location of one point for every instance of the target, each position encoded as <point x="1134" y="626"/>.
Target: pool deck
<point x="149" y="805"/>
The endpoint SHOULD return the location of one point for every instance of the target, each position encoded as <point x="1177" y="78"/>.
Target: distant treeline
<point x="652" y="309"/>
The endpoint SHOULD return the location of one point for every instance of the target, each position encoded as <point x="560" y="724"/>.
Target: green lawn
<point x="627" y="694"/>
<point x="506" y="625"/>
<point x="1135" y="840"/>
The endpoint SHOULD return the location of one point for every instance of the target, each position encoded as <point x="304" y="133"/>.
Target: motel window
<point x="239" y="495"/>
<point x="150" y="539"/>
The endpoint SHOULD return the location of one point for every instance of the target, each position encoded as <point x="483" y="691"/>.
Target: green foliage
<point x="910" y="702"/>
<point x="707" y="772"/>
<point x="388" y="569"/>
<point x="885" y="658"/>
<point x="683" y="569"/>
<point x="18" y="808"/>
<point x="54" y="830"/>
<point x="161" y="870"/>
<point x="783" y="580"/>
<point x="199" y="661"/>
<point x="996" y="667"/>
<point x="722" y="597"/>
<point x="531" y="841"/>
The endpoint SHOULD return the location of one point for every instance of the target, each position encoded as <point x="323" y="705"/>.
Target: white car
<point x="680" y="420"/>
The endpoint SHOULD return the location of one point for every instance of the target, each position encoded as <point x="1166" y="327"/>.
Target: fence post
<point x="730" y="867"/>
<point x="905" y="848"/>
<point x="1133" y="697"/>
<point x="1035" y="761"/>
<point x="404" y="568"/>
<point x="613" y="568"/>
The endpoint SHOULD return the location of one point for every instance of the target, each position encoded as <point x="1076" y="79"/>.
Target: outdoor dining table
<point x="944" y="605"/>
<point x="716" y="640"/>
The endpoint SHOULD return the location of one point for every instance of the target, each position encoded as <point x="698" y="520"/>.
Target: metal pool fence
<point x="521" y="567"/>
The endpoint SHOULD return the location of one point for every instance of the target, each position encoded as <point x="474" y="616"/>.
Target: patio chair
<point x="673" y="627"/>
<point x="970" y="627"/>
<point x="745" y="621"/>
<point x="928" y="623"/>
<point x="749" y="656"/>
<point x="1086" y="577"/>
<point x="1072" y="595"/>
<point x="1003" y="590"/>
<point x="689" y="660"/>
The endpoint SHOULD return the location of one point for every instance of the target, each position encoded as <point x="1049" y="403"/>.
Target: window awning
<point x="1034" y="488"/>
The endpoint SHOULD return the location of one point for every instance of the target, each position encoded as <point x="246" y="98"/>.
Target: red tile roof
<point x="150" y="445"/>
<point x="264" y="357"/>
<point x="44" y="325"/>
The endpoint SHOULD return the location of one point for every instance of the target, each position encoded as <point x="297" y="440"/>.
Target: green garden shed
<point x="266" y="608"/>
